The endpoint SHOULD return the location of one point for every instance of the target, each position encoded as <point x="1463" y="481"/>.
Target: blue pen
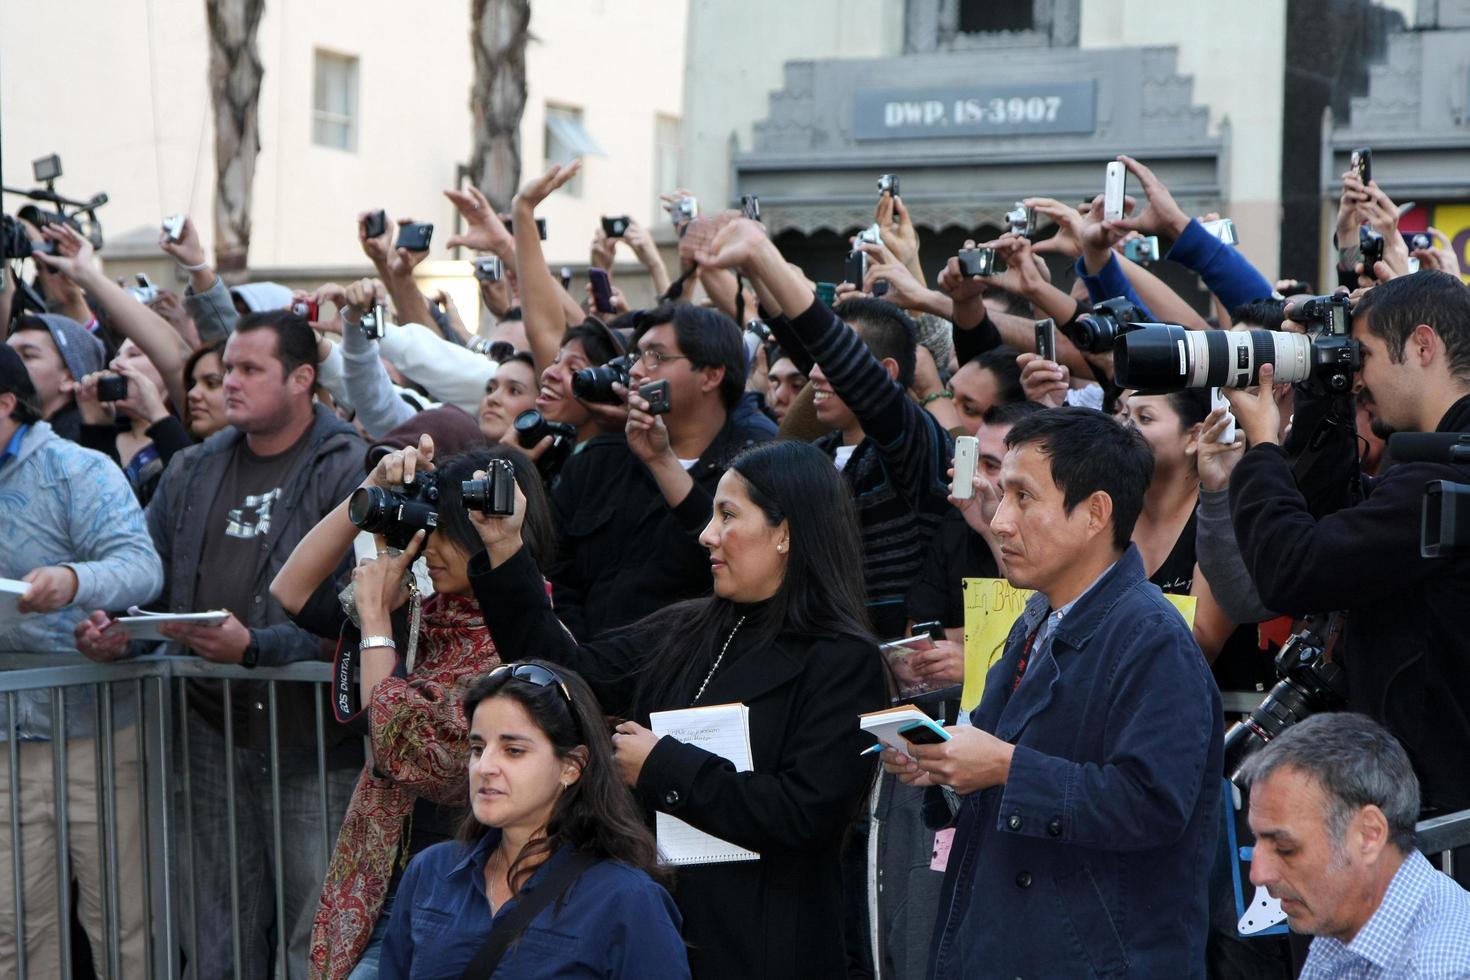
<point x="871" y="749"/>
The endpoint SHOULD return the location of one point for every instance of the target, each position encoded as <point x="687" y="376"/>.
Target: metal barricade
<point x="163" y="885"/>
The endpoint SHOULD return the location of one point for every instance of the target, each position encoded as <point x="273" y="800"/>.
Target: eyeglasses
<point x="653" y="358"/>
<point x="541" y="677"/>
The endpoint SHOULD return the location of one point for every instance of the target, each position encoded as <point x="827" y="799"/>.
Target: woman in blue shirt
<point x="543" y="786"/>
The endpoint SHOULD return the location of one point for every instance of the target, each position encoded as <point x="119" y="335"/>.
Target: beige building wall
<point x="130" y="115"/>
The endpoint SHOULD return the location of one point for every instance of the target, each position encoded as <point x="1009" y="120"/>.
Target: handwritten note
<point x="724" y="730"/>
<point x="991" y="608"/>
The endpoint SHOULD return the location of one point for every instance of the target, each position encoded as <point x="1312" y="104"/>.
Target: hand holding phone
<point x="415" y="237"/>
<point x="1046" y="339"/>
<point x="966" y="456"/>
<point x="1113" y="187"/>
<point x="1218" y="400"/>
<point x="601" y="289"/>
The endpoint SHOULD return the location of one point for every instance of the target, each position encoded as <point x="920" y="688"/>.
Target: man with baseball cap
<point x="58" y="353"/>
<point x="74" y="532"/>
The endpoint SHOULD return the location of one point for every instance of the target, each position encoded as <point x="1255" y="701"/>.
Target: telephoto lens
<point x="531" y="427"/>
<point x="594" y="384"/>
<point x="494" y="495"/>
<point x="396" y="514"/>
<point x="1161" y="357"/>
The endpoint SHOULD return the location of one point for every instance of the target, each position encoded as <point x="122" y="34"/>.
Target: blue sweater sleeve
<point x="1110" y="282"/>
<point x="1228" y="273"/>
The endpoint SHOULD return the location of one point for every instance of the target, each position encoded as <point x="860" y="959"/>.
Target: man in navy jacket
<point x="1090" y="780"/>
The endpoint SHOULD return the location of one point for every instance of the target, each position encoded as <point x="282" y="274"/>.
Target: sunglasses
<point x="541" y="677"/>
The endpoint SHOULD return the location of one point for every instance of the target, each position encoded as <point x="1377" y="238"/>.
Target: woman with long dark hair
<point x="550" y="824"/>
<point x="785" y="634"/>
<point x="403" y="700"/>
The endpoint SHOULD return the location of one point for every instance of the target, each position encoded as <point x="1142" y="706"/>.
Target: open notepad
<point x="723" y="729"/>
<point x="140" y="624"/>
<point x="11" y="590"/>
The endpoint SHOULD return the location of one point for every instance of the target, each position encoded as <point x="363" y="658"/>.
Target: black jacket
<point x="780" y="916"/>
<point x="623" y="552"/>
<point x="1406" y="649"/>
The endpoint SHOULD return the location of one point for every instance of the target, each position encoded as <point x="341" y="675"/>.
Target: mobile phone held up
<point x="173" y="227"/>
<point x="1361" y="163"/>
<point x="415" y="237"/>
<point x="966" y="457"/>
<point x="855" y="269"/>
<point x="375" y="224"/>
<point x="602" y="299"/>
<point x="540" y="228"/>
<point x="1113" y="187"/>
<point x="1046" y="339"/>
<point x="656" y="393"/>
<point x="615" y="227"/>
<point x="1218" y="400"/>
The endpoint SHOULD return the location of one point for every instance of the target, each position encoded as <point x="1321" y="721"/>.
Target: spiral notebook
<point x="723" y="729"/>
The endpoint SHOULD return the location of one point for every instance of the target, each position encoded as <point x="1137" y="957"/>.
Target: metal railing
<point x="165" y="882"/>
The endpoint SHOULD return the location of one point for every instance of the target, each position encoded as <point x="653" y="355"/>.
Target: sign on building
<point x="975" y="110"/>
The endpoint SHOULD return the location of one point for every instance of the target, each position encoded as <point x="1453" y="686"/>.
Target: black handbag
<point x="548" y="890"/>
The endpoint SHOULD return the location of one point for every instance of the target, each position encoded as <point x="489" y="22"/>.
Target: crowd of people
<point x="520" y="544"/>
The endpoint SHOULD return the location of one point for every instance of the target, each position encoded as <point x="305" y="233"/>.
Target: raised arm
<point x="542" y="310"/>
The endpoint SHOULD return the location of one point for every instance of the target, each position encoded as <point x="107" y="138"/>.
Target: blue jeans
<point x="367" y="965"/>
<point x="304" y="840"/>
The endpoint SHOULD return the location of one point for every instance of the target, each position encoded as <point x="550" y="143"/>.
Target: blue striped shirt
<point x="1420" y="930"/>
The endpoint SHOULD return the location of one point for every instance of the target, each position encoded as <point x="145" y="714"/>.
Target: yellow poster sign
<point x="991" y="608"/>
<point x="1454" y="221"/>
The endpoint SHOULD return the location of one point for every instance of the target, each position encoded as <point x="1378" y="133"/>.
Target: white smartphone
<point x="1046" y="339"/>
<point x="966" y="456"/>
<point x="1113" y="192"/>
<point x="1218" y="400"/>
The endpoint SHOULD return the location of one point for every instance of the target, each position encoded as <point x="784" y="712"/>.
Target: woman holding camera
<point x="401" y="694"/>
<point x="784" y="633"/>
<point x="553" y="864"/>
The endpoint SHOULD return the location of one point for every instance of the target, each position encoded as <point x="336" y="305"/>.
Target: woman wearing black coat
<point x="785" y="634"/>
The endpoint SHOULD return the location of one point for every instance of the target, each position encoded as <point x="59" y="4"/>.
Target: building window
<point x="988" y="16"/>
<point x="567" y="139"/>
<point x="334" y="101"/>
<point x="667" y="176"/>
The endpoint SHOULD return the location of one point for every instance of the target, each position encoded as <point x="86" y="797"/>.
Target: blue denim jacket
<point x="614" y="921"/>
<point x="1092" y="859"/>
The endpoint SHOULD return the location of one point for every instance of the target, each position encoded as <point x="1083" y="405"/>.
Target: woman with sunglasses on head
<point x="785" y="634"/>
<point x="403" y="697"/>
<point x="552" y="874"/>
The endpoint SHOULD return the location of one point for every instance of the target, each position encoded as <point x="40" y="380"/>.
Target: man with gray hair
<point x="1333" y="802"/>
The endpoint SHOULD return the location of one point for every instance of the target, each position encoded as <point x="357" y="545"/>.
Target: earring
<point x="780" y="549"/>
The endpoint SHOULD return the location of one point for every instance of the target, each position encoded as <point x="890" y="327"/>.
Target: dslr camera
<point x="594" y="384"/>
<point x="1096" y="332"/>
<point x="397" y="514"/>
<point x="1167" y="357"/>
<point x="1022" y="220"/>
<point x="495" y="493"/>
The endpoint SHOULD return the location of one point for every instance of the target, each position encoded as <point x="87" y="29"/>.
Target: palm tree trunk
<point x="498" y="33"/>
<point x="235" y="72"/>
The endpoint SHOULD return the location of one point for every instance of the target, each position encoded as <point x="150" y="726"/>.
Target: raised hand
<point x="1161" y="215"/>
<point x="484" y="231"/>
<point x="188" y="250"/>
<point x="737" y="246"/>
<point x="540" y="188"/>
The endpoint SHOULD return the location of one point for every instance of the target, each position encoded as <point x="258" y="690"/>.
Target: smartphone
<point x="112" y="388"/>
<point x="827" y="292"/>
<point x="933" y="629"/>
<point x="489" y="268"/>
<point x="966" y="456"/>
<point x="1223" y="229"/>
<point x="1361" y="161"/>
<point x="855" y="269"/>
<point x="1142" y="250"/>
<point x="601" y="289"/>
<point x="922" y="734"/>
<point x="415" y="237"/>
<point x="540" y="228"/>
<point x="1046" y="339"/>
<point x="375" y="224"/>
<point x="1113" y="187"/>
<point x="1218" y="400"/>
<point x="656" y="393"/>
<point x="613" y="227"/>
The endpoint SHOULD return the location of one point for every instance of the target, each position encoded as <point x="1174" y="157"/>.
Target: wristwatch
<point x="251" y="657"/>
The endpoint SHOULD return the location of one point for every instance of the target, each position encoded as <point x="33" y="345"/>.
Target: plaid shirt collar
<point x="1382" y="940"/>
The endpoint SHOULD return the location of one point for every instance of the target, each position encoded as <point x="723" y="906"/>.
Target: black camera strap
<point x="509" y="929"/>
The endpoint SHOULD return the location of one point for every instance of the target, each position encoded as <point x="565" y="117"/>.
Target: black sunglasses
<point x="541" y="677"/>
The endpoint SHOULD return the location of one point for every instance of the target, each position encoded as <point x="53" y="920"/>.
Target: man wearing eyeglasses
<point x="629" y="525"/>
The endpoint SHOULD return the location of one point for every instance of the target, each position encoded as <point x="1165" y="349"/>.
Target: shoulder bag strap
<point x="509" y="929"/>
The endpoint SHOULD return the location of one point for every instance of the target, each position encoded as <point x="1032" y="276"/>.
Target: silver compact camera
<point x="144" y="292"/>
<point x="1022" y="220"/>
<point x="173" y="227"/>
<point x="872" y="234"/>
<point x="684" y="208"/>
<point x="373" y="321"/>
<point x="489" y="268"/>
<point x="977" y="261"/>
<point x="1223" y="229"/>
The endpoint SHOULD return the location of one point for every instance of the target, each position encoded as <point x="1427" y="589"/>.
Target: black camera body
<point x="1335" y="355"/>
<point x="415" y="237"/>
<point x="1310" y="683"/>
<point x="531" y="427"/>
<point x="977" y="261"/>
<point x="594" y="384"/>
<point x="112" y="388"/>
<point x="1370" y="243"/>
<point x="397" y="514"/>
<point x="375" y="224"/>
<point x="540" y="228"/>
<point x="615" y="227"/>
<point x="495" y="494"/>
<point x="855" y="268"/>
<point x="1097" y="331"/>
<point x="1416" y="240"/>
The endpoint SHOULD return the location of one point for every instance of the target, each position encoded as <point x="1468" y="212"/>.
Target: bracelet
<point x="370" y="642"/>
<point x="924" y="402"/>
<point x="194" y="268"/>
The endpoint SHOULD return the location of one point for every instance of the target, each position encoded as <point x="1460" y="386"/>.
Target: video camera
<point x="1168" y="357"/>
<point x="1444" y="530"/>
